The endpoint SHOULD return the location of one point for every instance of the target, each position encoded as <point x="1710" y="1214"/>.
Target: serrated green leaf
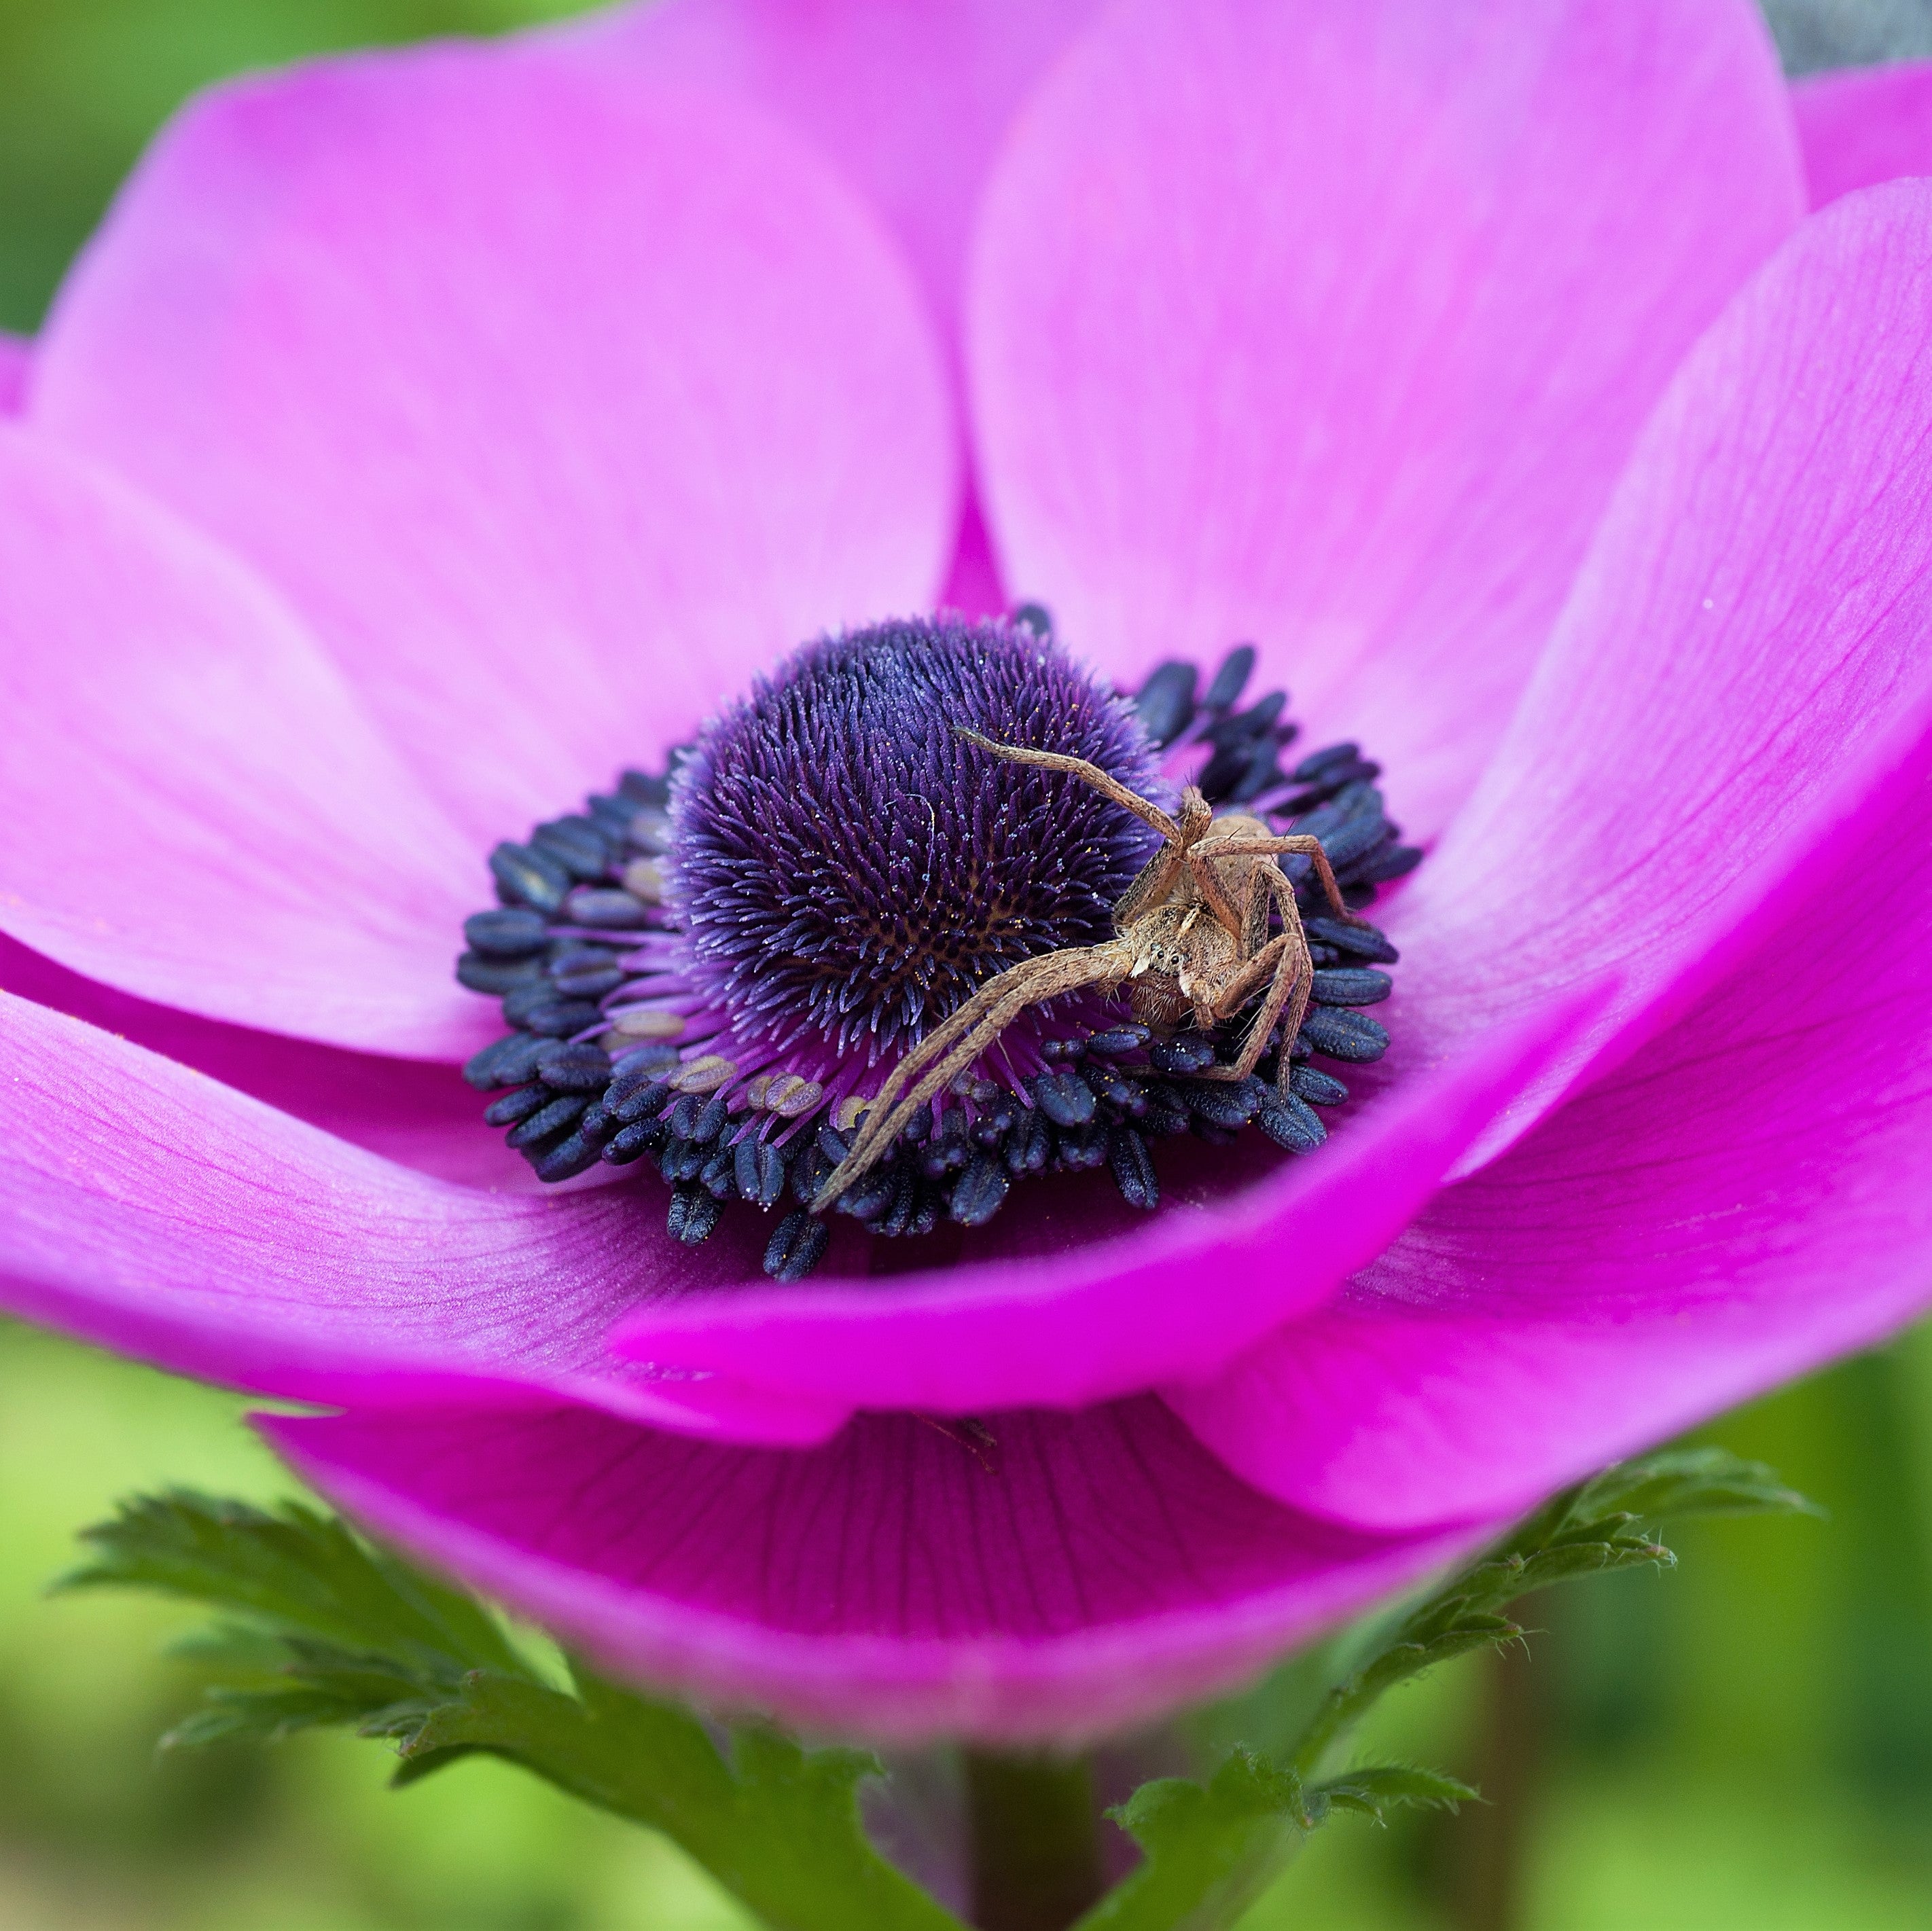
<point x="261" y="1716"/>
<point x="777" y="1823"/>
<point x="1588" y="1530"/>
<point x="320" y="1630"/>
<point x="295" y="1571"/>
<point x="231" y="1651"/>
<point x="1376" y="1791"/>
<point x="1692" y="1482"/>
<point x="1210" y="1849"/>
<point x="1568" y="1560"/>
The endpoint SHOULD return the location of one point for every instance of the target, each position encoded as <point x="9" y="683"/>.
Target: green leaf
<point x="1210" y="1850"/>
<point x="293" y="1571"/>
<point x="1691" y="1482"/>
<point x="777" y="1824"/>
<point x="1586" y="1531"/>
<point x="1377" y="1791"/>
<point x="320" y="1630"/>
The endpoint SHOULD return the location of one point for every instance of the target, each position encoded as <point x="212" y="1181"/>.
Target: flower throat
<point x="866" y="947"/>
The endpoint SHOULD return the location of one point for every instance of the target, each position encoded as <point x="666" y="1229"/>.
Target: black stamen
<point x="759" y="1170"/>
<point x="1364" y="941"/>
<point x="1246" y="727"/>
<point x="693" y="1214"/>
<point x="548" y="1119"/>
<point x="1164" y="1112"/>
<point x="509" y="933"/>
<point x="1188" y="1053"/>
<point x="566" y="1159"/>
<point x="481" y="973"/>
<point x="1029" y="1146"/>
<point x="528" y="877"/>
<point x="582" y="1068"/>
<point x="680" y="1161"/>
<point x="980" y="1192"/>
<point x="575" y="844"/>
<point x="809" y="1172"/>
<point x="1166" y="703"/>
<point x="1237" y="667"/>
<point x="606" y="907"/>
<point x="1291" y="1122"/>
<point x="1343" y="1035"/>
<point x="632" y="1142"/>
<point x="1065" y="1098"/>
<point x="645" y="788"/>
<point x="507" y="1062"/>
<point x="517" y="1104"/>
<point x="641" y="1101"/>
<point x="1345" y="985"/>
<point x="797" y="1244"/>
<point x="1133" y="1169"/>
<point x="1227" y="1106"/>
<point x="1319" y="1088"/>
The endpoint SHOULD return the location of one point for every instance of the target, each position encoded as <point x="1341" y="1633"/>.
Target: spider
<point x="1191" y="934"/>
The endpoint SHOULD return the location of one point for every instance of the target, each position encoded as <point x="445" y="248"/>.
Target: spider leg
<point x="996" y="991"/>
<point x="1201" y="860"/>
<point x="1155" y="882"/>
<point x="1304" y="843"/>
<point x="1255" y="919"/>
<point x="981" y="1021"/>
<point x="1109" y="786"/>
<point x="1286" y="957"/>
<point x="881" y="1129"/>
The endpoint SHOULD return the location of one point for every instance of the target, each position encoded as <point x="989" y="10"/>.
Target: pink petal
<point x="1864" y="125"/>
<point x="1747" y="655"/>
<point x="146" y="1208"/>
<point x="418" y="1114"/>
<point x="973" y="586"/>
<point x="1083" y="1321"/>
<point x="1746" y="1200"/>
<point x="1673" y="765"/>
<point x="16" y="358"/>
<point x="192" y="804"/>
<point x="1047" y="1579"/>
<point x="555" y="403"/>
<point x="910" y="102"/>
<point x="1332" y="326"/>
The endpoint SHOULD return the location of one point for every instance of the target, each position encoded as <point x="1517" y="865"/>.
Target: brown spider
<point x="1191" y="934"/>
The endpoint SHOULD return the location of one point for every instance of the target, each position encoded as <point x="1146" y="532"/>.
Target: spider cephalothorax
<point x="1192" y="934"/>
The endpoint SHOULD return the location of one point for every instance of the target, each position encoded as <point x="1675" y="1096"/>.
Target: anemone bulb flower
<point x="430" y="439"/>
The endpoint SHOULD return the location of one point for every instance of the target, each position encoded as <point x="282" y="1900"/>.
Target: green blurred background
<point x="1745" y="1743"/>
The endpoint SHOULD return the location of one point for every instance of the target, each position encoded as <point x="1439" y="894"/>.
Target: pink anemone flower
<point x="428" y="437"/>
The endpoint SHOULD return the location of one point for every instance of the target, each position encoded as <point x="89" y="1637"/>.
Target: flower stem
<point x="1035" y="1856"/>
<point x="1496" y="1841"/>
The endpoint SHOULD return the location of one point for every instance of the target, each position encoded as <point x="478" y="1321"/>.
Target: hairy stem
<point x="1496" y="1838"/>
<point x="1036" y="1856"/>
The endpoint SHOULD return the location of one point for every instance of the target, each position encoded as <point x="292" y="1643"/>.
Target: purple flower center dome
<point x="848" y="870"/>
<point x="914" y="918"/>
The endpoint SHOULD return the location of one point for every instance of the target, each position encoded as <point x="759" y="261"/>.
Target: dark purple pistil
<point x="849" y="871"/>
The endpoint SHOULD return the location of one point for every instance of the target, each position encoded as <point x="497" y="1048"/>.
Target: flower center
<point x="849" y="870"/>
<point x="920" y="916"/>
